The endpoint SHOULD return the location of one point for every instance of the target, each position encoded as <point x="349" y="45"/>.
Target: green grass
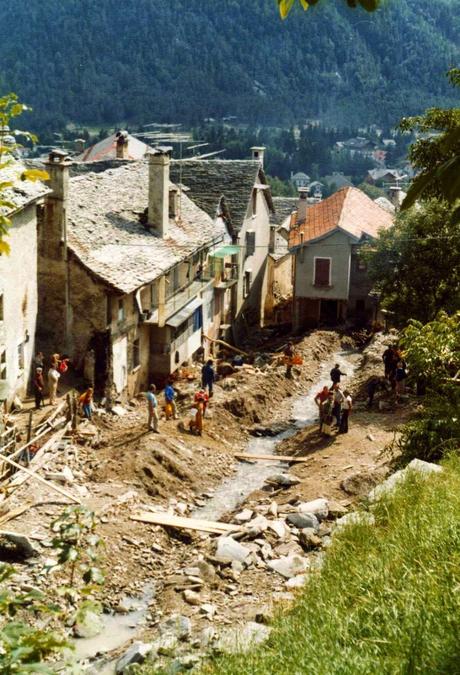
<point x="387" y="599"/>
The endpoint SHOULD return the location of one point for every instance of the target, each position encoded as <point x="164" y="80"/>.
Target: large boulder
<point x="289" y="566"/>
<point x="229" y="550"/>
<point x="303" y="520"/>
<point x="135" y="654"/>
<point x="319" y="507"/>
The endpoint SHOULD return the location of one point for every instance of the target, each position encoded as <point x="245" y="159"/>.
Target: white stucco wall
<point x="18" y="284"/>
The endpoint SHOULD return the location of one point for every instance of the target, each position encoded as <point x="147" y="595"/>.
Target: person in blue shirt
<point x="208" y="376"/>
<point x="170" y="400"/>
<point x="152" y="407"/>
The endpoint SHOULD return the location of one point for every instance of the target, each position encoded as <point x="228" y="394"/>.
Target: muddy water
<point x="249" y="477"/>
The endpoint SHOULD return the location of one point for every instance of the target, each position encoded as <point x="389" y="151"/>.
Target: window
<point x="21" y="356"/>
<point x="2" y="363"/>
<point x="197" y="319"/>
<point x="250" y="242"/>
<point x="322" y="275"/>
<point x="254" y="202"/>
<point x="1" y="307"/>
<point x="247" y="281"/>
<point x="121" y="310"/>
<point x="136" y="354"/>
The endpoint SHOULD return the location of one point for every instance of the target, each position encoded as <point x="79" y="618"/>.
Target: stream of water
<point x="119" y="628"/>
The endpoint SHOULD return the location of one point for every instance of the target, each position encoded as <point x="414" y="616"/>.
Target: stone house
<point x="300" y="179"/>
<point x="120" y="145"/>
<point x="124" y="276"/>
<point x="238" y="193"/>
<point x="331" y="283"/>
<point x="278" y="299"/>
<point x="18" y="284"/>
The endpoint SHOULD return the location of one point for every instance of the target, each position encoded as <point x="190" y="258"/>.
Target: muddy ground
<point x="121" y="469"/>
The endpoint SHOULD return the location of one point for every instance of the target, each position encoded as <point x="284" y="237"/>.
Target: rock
<point x="22" y="544"/>
<point x="336" y="510"/>
<point x="289" y="566"/>
<point x="303" y="520"/>
<point x="390" y="483"/>
<point x="242" y="639"/>
<point x="273" y="509"/>
<point x="244" y="516"/>
<point x="309" y="540"/>
<point x="237" y="567"/>
<point x="289" y="548"/>
<point x="135" y="654"/>
<point x="181" y="508"/>
<point x="208" y="609"/>
<point x="296" y="582"/>
<point x="282" y="480"/>
<point x="166" y="645"/>
<point x="88" y="625"/>
<point x="278" y="527"/>
<point x="207" y="636"/>
<point x="319" y="507"/>
<point x="359" y="483"/>
<point x="191" y="571"/>
<point x="229" y="550"/>
<point x="119" y="411"/>
<point x="207" y="571"/>
<point x="183" y="663"/>
<point x="360" y="517"/>
<point x="64" y="476"/>
<point x="370" y="437"/>
<point x="177" y="625"/>
<point x="192" y="598"/>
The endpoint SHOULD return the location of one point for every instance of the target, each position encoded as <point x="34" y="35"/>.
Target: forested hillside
<point x="106" y="61"/>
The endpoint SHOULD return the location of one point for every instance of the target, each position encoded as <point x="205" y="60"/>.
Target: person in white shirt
<point x="347" y="406"/>
<point x="53" y="379"/>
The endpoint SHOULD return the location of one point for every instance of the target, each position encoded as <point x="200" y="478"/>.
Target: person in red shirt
<point x="202" y="397"/>
<point x="319" y="399"/>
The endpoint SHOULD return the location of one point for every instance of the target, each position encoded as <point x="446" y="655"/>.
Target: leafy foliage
<point x="10" y="107"/>
<point x="436" y="153"/>
<point x="414" y="265"/>
<point x="285" y="6"/>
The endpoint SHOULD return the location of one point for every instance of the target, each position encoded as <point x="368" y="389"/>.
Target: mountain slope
<point x="181" y="60"/>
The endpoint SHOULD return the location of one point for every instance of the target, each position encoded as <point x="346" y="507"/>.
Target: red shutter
<point x="322" y="271"/>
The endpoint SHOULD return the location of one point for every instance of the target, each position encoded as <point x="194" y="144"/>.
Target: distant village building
<point x="18" y="284"/>
<point x="237" y="191"/>
<point x="126" y="286"/>
<point x="330" y="280"/>
<point x="300" y="179"/>
<point x="120" y="145"/>
<point x="382" y="176"/>
<point x="337" y="181"/>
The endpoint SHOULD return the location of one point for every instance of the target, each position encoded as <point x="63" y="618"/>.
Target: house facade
<point x="18" y="285"/>
<point x="237" y="192"/>
<point x="125" y="280"/>
<point x="331" y="283"/>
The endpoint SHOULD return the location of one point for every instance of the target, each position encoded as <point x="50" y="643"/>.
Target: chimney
<point x="57" y="166"/>
<point x="258" y="152"/>
<point x="79" y="145"/>
<point x="303" y="204"/>
<point x="395" y="195"/>
<point x="158" y="208"/>
<point x="122" y="144"/>
<point x="174" y="197"/>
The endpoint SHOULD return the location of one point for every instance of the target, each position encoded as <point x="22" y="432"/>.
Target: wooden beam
<point x="32" y="474"/>
<point x="274" y="458"/>
<point x="181" y="523"/>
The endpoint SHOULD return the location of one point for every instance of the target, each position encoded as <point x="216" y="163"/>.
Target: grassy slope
<point x="387" y="599"/>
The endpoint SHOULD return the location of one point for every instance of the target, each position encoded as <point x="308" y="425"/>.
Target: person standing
<point x="39" y="360"/>
<point x="319" y="399"/>
<point x="347" y="406"/>
<point x="400" y="379"/>
<point x="86" y="401"/>
<point x="336" y="374"/>
<point x="53" y="379"/>
<point x="152" y="408"/>
<point x="208" y="377"/>
<point x="338" y="400"/>
<point x="39" y="387"/>
<point x="202" y="397"/>
<point x="170" y="399"/>
<point x="326" y="415"/>
<point x="288" y="356"/>
<point x="388" y="359"/>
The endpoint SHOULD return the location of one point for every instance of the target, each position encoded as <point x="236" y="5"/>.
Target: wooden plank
<point x="42" y="480"/>
<point x="274" y="458"/>
<point x="184" y="523"/>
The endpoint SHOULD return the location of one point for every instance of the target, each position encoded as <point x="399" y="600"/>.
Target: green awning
<point x="225" y="251"/>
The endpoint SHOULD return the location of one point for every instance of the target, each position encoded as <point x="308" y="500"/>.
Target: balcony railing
<point x="180" y="298"/>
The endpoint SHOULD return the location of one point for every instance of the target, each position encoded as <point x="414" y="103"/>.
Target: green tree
<point x="414" y="264"/>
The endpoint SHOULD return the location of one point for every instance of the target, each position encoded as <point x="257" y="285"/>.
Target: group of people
<point x="200" y="401"/>
<point x="395" y="370"/>
<point x="334" y="404"/>
<point x="59" y="365"/>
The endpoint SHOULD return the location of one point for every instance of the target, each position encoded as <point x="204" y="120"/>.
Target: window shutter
<point x="322" y="271"/>
<point x="250" y="242"/>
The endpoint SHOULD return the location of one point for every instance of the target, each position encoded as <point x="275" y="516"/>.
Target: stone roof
<point x="221" y="184"/>
<point x="105" y="231"/>
<point x="107" y="149"/>
<point x="349" y="210"/>
<point x="22" y="192"/>
<point x="378" y="174"/>
<point x="284" y="206"/>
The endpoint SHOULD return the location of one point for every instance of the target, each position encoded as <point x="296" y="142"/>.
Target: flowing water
<point x="248" y="477"/>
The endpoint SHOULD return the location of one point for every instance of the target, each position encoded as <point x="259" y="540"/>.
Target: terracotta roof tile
<point x="348" y="209"/>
